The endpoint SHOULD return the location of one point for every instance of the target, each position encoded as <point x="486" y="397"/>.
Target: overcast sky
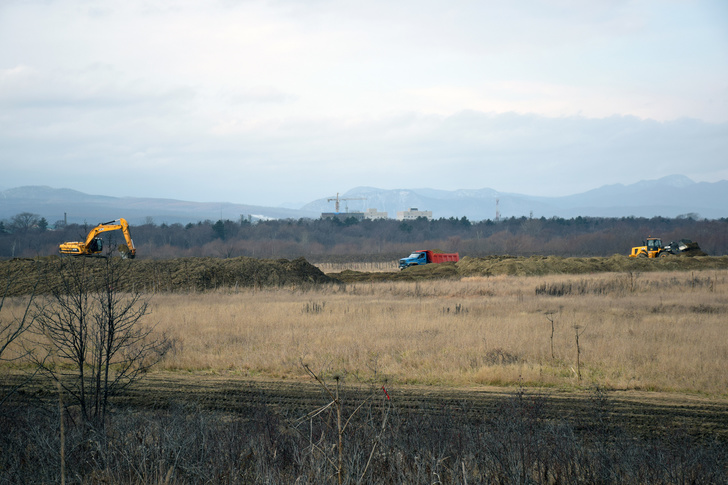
<point x="288" y="101"/>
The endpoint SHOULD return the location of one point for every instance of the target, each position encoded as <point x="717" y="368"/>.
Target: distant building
<point x="412" y="214"/>
<point x="374" y="214"/>
<point x="371" y="214"/>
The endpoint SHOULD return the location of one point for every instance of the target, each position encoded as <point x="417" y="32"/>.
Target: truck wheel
<point x="642" y="255"/>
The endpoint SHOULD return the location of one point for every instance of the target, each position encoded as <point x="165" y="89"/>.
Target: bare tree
<point x="24" y="221"/>
<point x="96" y="333"/>
<point x="12" y="328"/>
<point x="123" y="348"/>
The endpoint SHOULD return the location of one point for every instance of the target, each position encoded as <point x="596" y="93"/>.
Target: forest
<point x="28" y="235"/>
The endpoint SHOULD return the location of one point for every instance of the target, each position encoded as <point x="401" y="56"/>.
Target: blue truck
<point x="426" y="256"/>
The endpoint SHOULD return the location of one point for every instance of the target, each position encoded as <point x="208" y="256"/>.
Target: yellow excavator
<point x="93" y="245"/>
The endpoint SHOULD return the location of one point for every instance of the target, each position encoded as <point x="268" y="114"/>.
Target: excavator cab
<point x="96" y="245"/>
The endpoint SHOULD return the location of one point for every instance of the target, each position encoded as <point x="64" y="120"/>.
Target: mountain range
<point x="671" y="196"/>
<point x="78" y="207"/>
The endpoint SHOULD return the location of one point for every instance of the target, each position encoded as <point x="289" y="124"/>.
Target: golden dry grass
<point x="370" y="267"/>
<point x="661" y="331"/>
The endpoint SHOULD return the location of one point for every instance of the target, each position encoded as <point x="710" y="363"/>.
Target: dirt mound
<point x="692" y="249"/>
<point x="539" y="265"/>
<point x="202" y="274"/>
<point x="20" y="276"/>
<point x="542" y="265"/>
<point x="447" y="270"/>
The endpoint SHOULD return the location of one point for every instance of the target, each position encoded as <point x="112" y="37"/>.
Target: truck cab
<point x="418" y="257"/>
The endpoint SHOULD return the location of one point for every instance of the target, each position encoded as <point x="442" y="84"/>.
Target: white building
<point x="374" y="214"/>
<point x="412" y="214"/>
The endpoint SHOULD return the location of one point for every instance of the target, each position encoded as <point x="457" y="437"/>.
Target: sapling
<point x="341" y="426"/>
<point x="550" y="318"/>
<point x="578" y="349"/>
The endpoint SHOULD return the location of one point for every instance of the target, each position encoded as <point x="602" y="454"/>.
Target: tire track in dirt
<point x="646" y="413"/>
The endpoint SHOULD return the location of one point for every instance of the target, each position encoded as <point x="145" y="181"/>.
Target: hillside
<point x="79" y="208"/>
<point x="672" y="196"/>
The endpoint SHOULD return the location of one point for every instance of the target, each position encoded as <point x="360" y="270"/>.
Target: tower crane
<point x="339" y="199"/>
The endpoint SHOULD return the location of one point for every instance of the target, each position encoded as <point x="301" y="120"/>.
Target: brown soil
<point x="20" y="276"/>
<point x="648" y="414"/>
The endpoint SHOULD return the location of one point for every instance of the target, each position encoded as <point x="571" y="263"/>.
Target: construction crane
<point x="339" y="199"/>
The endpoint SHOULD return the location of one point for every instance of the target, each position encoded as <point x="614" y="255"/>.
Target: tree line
<point x="348" y="239"/>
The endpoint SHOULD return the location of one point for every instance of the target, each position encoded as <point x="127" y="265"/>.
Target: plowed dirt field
<point x="646" y="414"/>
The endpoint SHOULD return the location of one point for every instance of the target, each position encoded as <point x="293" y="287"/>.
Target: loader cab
<point x="653" y="244"/>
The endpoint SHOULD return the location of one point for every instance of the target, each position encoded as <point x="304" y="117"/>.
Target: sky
<point x="282" y="102"/>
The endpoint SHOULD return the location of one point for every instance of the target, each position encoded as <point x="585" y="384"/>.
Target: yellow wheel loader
<point x="94" y="245"/>
<point x="651" y="248"/>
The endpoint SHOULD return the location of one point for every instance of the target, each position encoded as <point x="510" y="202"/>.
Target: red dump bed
<point x="440" y="257"/>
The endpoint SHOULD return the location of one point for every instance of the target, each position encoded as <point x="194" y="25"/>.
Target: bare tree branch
<point x="12" y="328"/>
<point x="96" y="333"/>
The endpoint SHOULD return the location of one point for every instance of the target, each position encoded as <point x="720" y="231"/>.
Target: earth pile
<point x="540" y="265"/>
<point x="20" y="276"/>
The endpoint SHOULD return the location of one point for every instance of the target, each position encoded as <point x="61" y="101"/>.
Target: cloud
<point x="276" y="100"/>
<point x="509" y="152"/>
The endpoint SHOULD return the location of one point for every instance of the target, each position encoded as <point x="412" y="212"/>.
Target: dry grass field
<point x="488" y="382"/>
<point x="650" y="331"/>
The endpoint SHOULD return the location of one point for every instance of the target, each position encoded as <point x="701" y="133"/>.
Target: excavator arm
<point x="103" y="227"/>
<point x="130" y="250"/>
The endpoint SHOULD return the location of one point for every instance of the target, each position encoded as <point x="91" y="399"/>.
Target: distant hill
<point x="79" y="208"/>
<point x="671" y="197"/>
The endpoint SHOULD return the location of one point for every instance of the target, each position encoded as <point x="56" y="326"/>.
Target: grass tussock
<point x="662" y="331"/>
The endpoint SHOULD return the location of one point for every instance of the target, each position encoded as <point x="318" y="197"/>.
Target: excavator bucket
<point x="126" y="253"/>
